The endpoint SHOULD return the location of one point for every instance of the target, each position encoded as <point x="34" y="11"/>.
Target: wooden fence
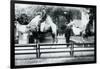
<point x="38" y="48"/>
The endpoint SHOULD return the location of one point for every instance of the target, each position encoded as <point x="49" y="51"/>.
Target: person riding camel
<point x="43" y="17"/>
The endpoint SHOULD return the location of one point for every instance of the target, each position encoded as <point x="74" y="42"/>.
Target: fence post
<point x="37" y="50"/>
<point x="72" y="50"/>
<point x="83" y="45"/>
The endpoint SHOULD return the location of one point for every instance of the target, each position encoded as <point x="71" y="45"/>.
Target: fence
<point x="38" y="48"/>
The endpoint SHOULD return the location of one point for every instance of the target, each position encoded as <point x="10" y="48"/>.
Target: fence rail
<point x="48" y="44"/>
<point x="38" y="48"/>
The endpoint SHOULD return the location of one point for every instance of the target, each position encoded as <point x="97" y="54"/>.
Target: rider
<point x="43" y="17"/>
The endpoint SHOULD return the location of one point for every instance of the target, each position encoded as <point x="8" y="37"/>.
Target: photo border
<point x="12" y="42"/>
